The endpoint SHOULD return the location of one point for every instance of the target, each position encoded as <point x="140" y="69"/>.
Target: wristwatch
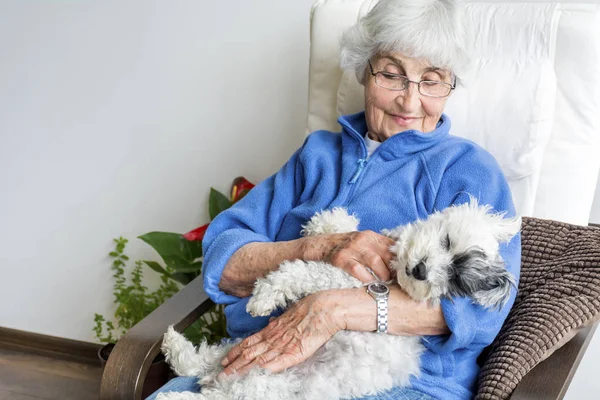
<point x="380" y="292"/>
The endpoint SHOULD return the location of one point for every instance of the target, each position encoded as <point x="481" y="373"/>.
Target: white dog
<point x="452" y="253"/>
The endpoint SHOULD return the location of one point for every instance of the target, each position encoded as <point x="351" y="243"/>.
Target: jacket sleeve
<point x="256" y="218"/>
<point x="471" y="325"/>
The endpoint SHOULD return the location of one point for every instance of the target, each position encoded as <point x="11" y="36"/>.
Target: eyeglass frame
<point x="408" y="82"/>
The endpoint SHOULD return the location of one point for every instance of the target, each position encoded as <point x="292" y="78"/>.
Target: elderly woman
<point x="391" y="164"/>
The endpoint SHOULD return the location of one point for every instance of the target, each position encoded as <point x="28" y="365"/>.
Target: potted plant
<point x="182" y="262"/>
<point x="134" y="301"/>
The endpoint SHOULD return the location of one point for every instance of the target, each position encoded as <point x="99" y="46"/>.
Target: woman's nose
<point x="409" y="97"/>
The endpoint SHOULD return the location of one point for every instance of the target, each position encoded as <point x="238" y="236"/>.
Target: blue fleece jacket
<point x="407" y="178"/>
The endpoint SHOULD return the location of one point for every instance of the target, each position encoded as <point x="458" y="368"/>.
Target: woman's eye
<point x="392" y="70"/>
<point x="432" y="77"/>
<point x="393" y="77"/>
<point x="429" y="83"/>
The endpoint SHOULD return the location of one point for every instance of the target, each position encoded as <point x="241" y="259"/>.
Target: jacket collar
<point x="354" y="128"/>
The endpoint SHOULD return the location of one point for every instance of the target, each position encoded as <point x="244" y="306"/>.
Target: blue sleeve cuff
<point x="218" y="254"/>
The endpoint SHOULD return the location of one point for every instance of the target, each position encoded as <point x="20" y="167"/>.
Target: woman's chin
<point x="396" y="128"/>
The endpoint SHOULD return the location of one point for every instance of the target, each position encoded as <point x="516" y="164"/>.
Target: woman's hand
<point x="352" y="252"/>
<point x="287" y="340"/>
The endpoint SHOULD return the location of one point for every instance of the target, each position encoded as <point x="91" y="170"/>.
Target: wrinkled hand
<point x="352" y="252"/>
<point x="287" y="340"/>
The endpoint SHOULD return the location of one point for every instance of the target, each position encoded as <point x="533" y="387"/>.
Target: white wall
<point x="595" y="214"/>
<point x="115" y="119"/>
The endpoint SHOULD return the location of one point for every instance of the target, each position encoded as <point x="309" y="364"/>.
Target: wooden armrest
<point x="550" y="379"/>
<point x="130" y="359"/>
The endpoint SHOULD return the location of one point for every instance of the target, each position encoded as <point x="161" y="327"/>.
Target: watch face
<point x="378" y="288"/>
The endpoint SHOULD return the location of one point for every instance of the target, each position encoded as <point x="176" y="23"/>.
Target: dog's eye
<point x="446" y="243"/>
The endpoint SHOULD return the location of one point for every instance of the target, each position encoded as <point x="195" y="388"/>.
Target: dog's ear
<point x="506" y="228"/>
<point x="495" y="292"/>
<point x="485" y="281"/>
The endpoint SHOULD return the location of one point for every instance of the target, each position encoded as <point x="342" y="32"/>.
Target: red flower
<point x="196" y="234"/>
<point x="241" y="186"/>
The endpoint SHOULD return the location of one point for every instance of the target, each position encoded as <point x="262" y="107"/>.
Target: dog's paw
<point x="172" y="341"/>
<point x="262" y="304"/>
<point x="169" y="339"/>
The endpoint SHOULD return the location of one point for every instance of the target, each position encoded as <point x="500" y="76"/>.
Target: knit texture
<point x="559" y="293"/>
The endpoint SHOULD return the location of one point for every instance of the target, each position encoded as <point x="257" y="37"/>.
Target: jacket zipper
<point x="361" y="165"/>
<point x="360" y="168"/>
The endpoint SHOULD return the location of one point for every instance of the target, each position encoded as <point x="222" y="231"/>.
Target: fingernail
<point x="224" y="362"/>
<point x="221" y="375"/>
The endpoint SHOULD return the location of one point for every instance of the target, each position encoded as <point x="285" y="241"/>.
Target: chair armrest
<point x="550" y="379"/>
<point x="128" y="364"/>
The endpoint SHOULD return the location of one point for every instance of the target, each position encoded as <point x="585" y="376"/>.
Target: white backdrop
<point x="115" y="119"/>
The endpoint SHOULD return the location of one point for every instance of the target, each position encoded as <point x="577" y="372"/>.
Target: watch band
<point x="382" y="314"/>
<point x="380" y="293"/>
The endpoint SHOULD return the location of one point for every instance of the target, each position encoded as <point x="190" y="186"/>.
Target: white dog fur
<point x="452" y="253"/>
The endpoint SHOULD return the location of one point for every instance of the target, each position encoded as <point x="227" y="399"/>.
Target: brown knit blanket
<point x="559" y="293"/>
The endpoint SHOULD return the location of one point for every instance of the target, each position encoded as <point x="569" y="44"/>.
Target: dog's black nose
<point x="419" y="272"/>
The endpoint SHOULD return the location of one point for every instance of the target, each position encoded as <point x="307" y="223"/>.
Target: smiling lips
<point x="403" y="120"/>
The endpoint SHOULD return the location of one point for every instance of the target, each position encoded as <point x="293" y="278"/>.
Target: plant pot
<point x="158" y="374"/>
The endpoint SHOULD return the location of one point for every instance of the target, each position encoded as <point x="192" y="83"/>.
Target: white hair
<point x="430" y="29"/>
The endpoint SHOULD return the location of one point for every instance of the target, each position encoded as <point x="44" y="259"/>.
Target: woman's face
<point x="389" y="112"/>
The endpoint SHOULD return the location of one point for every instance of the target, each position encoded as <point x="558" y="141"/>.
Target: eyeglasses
<point x="397" y="82"/>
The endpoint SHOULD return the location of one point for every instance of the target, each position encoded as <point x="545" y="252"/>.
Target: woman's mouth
<point x="403" y="120"/>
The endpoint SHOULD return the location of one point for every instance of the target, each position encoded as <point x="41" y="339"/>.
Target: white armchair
<point x="532" y="100"/>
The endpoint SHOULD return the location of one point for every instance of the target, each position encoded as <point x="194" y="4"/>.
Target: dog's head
<point x="454" y="252"/>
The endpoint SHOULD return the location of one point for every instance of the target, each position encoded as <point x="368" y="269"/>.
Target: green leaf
<point x="181" y="278"/>
<point x="173" y="248"/>
<point x="217" y="202"/>
<point x="157" y="267"/>
<point x="195" y="249"/>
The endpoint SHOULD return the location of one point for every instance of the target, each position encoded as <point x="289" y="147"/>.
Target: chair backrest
<point x="532" y="99"/>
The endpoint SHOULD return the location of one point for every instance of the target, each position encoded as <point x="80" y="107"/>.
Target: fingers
<point x="280" y="363"/>
<point x="382" y="248"/>
<point x="290" y="339"/>
<point x="360" y="272"/>
<point x="365" y="249"/>
<point x="260" y="361"/>
<point x="237" y="350"/>
<point x="246" y="359"/>
<point x="377" y="265"/>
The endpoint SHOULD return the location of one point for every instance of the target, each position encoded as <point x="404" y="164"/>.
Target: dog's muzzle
<point x="419" y="272"/>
